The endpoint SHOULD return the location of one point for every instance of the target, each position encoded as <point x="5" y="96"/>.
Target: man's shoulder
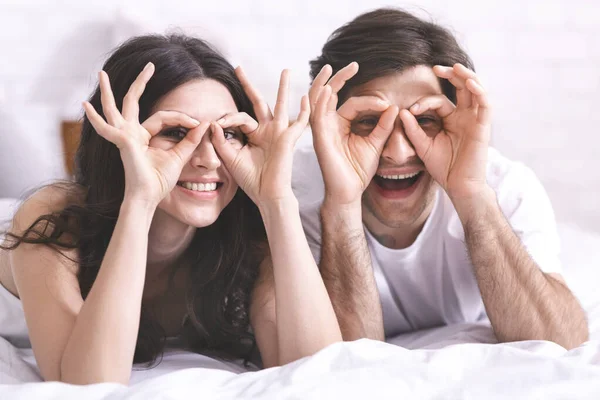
<point x="510" y="178"/>
<point x="518" y="190"/>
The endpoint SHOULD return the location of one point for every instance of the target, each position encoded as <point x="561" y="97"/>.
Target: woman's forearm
<point x="306" y="321"/>
<point x="103" y="340"/>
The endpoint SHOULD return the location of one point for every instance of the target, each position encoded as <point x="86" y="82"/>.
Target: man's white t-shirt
<point x="432" y="283"/>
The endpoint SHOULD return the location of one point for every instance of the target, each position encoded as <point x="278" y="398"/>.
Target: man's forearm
<point x="521" y="301"/>
<point x="348" y="274"/>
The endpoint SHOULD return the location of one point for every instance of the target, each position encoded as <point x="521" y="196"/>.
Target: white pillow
<point x="31" y="148"/>
<point x="7" y="208"/>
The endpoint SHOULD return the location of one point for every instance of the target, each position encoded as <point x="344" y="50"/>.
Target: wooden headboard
<point x="70" y="131"/>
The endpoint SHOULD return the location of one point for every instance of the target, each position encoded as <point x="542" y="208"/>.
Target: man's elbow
<point x="570" y="336"/>
<point x="575" y="337"/>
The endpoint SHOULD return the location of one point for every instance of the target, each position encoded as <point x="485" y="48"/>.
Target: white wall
<point x="539" y="60"/>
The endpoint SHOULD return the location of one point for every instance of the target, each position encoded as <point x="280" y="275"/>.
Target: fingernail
<point x="414" y="108"/>
<point x="195" y="121"/>
<point x="148" y="66"/>
<point x="221" y="121"/>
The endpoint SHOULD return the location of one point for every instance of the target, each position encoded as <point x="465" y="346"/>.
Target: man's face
<point x="401" y="193"/>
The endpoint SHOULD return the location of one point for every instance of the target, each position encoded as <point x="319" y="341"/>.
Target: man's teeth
<point x="200" y="187"/>
<point x="405" y="176"/>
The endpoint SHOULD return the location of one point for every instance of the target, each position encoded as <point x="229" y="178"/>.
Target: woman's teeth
<point x="405" y="176"/>
<point x="200" y="187"/>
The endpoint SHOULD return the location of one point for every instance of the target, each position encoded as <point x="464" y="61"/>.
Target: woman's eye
<point x="176" y="133"/>
<point x="425" y="120"/>
<point x="233" y="135"/>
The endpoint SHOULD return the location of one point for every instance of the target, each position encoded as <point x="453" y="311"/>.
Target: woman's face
<point x="205" y="187"/>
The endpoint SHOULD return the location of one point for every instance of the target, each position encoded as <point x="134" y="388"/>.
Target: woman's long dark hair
<point x="223" y="257"/>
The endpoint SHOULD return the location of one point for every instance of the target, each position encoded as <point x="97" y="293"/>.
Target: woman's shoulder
<point x="37" y="218"/>
<point x="47" y="200"/>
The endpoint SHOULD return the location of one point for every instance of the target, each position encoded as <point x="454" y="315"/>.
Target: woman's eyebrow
<point x="174" y="110"/>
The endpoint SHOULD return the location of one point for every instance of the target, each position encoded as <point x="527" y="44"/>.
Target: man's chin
<point x="394" y="218"/>
<point x="396" y="212"/>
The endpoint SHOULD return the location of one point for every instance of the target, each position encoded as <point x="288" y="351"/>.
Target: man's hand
<point x="455" y="157"/>
<point x="348" y="161"/>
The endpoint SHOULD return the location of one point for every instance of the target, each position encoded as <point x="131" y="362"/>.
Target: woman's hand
<point x="150" y="173"/>
<point x="263" y="167"/>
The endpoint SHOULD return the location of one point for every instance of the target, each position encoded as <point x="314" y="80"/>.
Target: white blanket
<point x="365" y="369"/>
<point x="454" y="362"/>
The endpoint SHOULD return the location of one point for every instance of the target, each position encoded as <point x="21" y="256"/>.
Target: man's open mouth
<point x="397" y="182"/>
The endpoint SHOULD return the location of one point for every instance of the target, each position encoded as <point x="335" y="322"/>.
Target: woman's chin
<point x="197" y="217"/>
<point x="198" y="220"/>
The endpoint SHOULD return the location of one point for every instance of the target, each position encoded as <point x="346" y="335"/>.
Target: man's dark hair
<point x="387" y="41"/>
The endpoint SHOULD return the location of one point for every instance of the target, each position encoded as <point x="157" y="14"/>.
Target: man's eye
<point x="362" y="126"/>
<point x="368" y="121"/>
<point x="176" y="133"/>
<point x="432" y="126"/>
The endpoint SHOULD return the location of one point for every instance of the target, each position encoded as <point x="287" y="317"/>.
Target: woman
<point x="155" y="239"/>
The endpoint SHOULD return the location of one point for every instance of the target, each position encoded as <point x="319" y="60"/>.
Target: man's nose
<point x="398" y="149"/>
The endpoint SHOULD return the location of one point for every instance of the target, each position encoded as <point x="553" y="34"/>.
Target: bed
<point x="459" y="361"/>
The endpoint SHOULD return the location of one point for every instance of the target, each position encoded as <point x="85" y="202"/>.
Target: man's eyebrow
<point x="368" y="92"/>
<point x="363" y="92"/>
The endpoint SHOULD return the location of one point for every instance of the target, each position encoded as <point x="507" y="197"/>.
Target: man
<point x="419" y="224"/>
